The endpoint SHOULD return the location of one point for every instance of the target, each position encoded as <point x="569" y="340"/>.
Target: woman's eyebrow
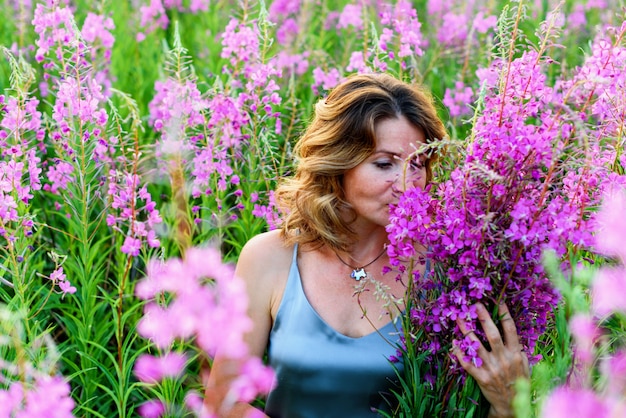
<point x="382" y="151"/>
<point x="397" y="155"/>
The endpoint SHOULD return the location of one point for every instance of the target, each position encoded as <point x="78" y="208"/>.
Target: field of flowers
<point x="141" y="142"/>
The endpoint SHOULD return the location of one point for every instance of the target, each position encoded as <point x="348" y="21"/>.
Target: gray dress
<point x="321" y="372"/>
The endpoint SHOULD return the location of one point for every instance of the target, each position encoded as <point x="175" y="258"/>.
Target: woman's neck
<point x="368" y="245"/>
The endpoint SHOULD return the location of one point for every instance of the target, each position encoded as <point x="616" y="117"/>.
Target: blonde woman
<point x="330" y="359"/>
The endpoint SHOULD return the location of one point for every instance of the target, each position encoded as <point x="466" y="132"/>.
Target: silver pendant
<point x="358" y="274"/>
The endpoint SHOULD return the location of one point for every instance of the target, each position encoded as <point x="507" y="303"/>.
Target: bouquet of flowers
<point x="524" y="184"/>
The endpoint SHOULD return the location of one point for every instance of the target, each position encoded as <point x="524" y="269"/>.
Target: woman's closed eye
<point x="383" y="165"/>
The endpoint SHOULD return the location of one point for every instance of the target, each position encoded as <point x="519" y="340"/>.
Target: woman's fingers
<point x="489" y="328"/>
<point x="501" y="366"/>
<point x="469" y="333"/>
<point x="511" y="339"/>
<point x="479" y="372"/>
<point x="497" y="341"/>
<point x="504" y="347"/>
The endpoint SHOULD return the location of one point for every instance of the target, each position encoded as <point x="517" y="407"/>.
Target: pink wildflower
<point x="607" y="291"/>
<point x="586" y="333"/>
<point x="57" y="275"/>
<point x="19" y="119"/>
<point x="280" y="8"/>
<point x="351" y="16"/>
<point x="284" y="13"/>
<point x="614" y="368"/>
<point x="327" y="80"/>
<point x="240" y="42"/>
<point x="52" y="24"/>
<point x="454" y="29"/>
<point x="459" y="100"/>
<point x="287" y="31"/>
<point x="577" y="18"/>
<point x="153" y="16"/>
<point x="567" y="403"/>
<point x="199" y="5"/>
<point x="208" y="306"/>
<point x="595" y="4"/>
<point x="152" y="409"/>
<point x="438" y="7"/>
<point x="293" y="63"/>
<point x="66" y="287"/>
<point x="176" y="105"/>
<point x="255" y="378"/>
<point x="47" y="393"/>
<point x="98" y="27"/>
<point x="357" y="63"/>
<point x="482" y="24"/>
<point x="59" y="278"/>
<point x="131" y="246"/>
<point x="133" y="211"/>
<point x="401" y="18"/>
<point x="151" y="369"/>
<point x="611" y="225"/>
<point x="269" y="212"/>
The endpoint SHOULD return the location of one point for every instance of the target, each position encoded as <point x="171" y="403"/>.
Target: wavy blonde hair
<point x="340" y="137"/>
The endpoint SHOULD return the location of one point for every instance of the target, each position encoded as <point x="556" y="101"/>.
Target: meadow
<point x="141" y="142"/>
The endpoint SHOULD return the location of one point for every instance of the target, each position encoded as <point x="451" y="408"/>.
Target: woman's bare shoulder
<point x="265" y="254"/>
<point x="264" y="264"/>
<point x="266" y="245"/>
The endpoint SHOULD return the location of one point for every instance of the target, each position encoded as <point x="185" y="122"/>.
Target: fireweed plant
<point x="205" y="140"/>
<point x="136" y="136"/>
<point x="97" y="196"/>
<point x="84" y="194"/>
<point x="522" y="187"/>
<point x="210" y="141"/>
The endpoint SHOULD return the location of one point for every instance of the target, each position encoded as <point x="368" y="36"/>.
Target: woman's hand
<point x="502" y="366"/>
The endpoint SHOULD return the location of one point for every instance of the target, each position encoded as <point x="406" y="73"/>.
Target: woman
<point x="314" y="285"/>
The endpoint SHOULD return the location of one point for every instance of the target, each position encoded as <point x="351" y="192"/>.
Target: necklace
<point x="359" y="273"/>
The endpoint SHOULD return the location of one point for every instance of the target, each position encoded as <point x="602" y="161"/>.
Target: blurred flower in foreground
<point x="579" y="403"/>
<point x="597" y="385"/>
<point x="198" y="299"/>
<point x="609" y="285"/>
<point x="36" y="400"/>
<point x="29" y="387"/>
<point x="151" y="369"/>
<point x="612" y="226"/>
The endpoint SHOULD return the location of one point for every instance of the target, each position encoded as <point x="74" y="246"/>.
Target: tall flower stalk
<point x="211" y="141"/>
<point x="21" y="130"/>
<point x="95" y="194"/>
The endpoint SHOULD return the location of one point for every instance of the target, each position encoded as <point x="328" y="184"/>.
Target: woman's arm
<point x="259" y="265"/>
<point x="502" y="366"/>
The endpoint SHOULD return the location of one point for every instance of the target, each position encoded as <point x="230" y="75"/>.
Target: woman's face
<point x="372" y="185"/>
